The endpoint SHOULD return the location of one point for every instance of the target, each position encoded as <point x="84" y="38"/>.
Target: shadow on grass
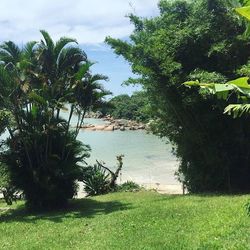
<point x="87" y="208"/>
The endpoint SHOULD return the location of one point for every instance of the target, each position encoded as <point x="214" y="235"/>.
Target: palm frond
<point x="28" y="50"/>
<point x="48" y="40"/>
<point x="6" y="81"/>
<point x="61" y="43"/>
<point x="69" y="57"/>
<point x="244" y="11"/>
<point x="13" y="50"/>
<point x="5" y="56"/>
<point x="99" y="77"/>
<point x="84" y="68"/>
<point x="237" y="110"/>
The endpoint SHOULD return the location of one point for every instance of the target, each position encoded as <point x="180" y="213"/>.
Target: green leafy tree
<point x="37" y="82"/>
<point x="193" y="40"/>
<point x="133" y="107"/>
<point x="240" y="86"/>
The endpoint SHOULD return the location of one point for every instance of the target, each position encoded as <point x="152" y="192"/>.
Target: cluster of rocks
<point x="123" y="124"/>
<point x="91" y="127"/>
<point x="115" y="124"/>
<point x="96" y="115"/>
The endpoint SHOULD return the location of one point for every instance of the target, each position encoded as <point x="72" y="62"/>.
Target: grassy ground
<point x="143" y="220"/>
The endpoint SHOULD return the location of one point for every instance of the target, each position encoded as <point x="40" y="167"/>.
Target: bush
<point x="129" y="186"/>
<point x="99" y="179"/>
<point x="48" y="183"/>
<point x="96" y="180"/>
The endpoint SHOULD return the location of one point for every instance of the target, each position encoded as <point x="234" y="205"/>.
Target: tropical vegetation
<point x="239" y="87"/>
<point x="175" y="47"/>
<point x="134" y="107"/>
<point x="99" y="179"/>
<point x="38" y="82"/>
<point x="44" y="84"/>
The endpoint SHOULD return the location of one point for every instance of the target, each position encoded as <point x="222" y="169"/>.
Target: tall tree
<point x="37" y="82"/>
<point x="193" y="40"/>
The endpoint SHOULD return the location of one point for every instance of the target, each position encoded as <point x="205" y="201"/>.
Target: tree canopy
<point x="134" y="107"/>
<point x="193" y="40"/>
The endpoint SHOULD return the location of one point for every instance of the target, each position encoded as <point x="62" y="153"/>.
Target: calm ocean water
<point x="147" y="159"/>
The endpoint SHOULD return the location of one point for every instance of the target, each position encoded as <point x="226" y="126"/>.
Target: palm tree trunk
<point x="80" y="125"/>
<point x="67" y="130"/>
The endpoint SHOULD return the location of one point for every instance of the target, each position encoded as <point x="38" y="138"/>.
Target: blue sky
<point x="116" y="68"/>
<point x="87" y="21"/>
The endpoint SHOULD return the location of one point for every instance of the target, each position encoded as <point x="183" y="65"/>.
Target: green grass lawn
<point x="143" y="220"/>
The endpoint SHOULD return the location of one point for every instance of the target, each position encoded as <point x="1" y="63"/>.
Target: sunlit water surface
<point x="147" y="159"/>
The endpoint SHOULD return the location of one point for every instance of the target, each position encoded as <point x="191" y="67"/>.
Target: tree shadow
<point x="87" y="208"/>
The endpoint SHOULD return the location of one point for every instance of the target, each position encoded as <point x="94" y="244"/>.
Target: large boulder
<point x="100" y="127"/>
<point x="109" y="128"/>
<point x="122" y="122"/>
<point x="90" y="129"/>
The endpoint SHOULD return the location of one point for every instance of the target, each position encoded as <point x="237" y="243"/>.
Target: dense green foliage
<point x="194" y="40"/>
<point x="133" y="107"/>
<point x="96" y="180"/>
<point x="240" y="86"/>
<point x="142" y="220"/>
<point x="38" y="82"/>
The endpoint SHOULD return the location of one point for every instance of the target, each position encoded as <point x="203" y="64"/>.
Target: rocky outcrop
<point x="96" y="115"/>
<point x="115" y="124"/>
<point x="91" y="127"/>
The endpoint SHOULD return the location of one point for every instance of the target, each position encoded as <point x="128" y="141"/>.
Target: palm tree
<point x="37" y="82"/>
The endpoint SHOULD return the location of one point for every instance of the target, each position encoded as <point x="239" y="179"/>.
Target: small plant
<point x="129" y="186"/>
<point x="96" y="180"/>
<point x="99" y="179"/>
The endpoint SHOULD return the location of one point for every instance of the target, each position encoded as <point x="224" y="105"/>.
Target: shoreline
<point x="112" y="124"/>
<point x="169" y="189"/>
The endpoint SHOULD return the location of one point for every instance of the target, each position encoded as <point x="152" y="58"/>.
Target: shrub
<point x="50" y="182"/>
<point x="96" y="180"/>
<point x="129" y="186"/>
<point x="99" y="179"/>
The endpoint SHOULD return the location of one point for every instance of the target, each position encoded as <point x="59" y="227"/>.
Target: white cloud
<point x="87" y="21"/>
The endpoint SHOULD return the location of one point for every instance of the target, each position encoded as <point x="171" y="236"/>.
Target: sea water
<point x="147" y="158"/>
